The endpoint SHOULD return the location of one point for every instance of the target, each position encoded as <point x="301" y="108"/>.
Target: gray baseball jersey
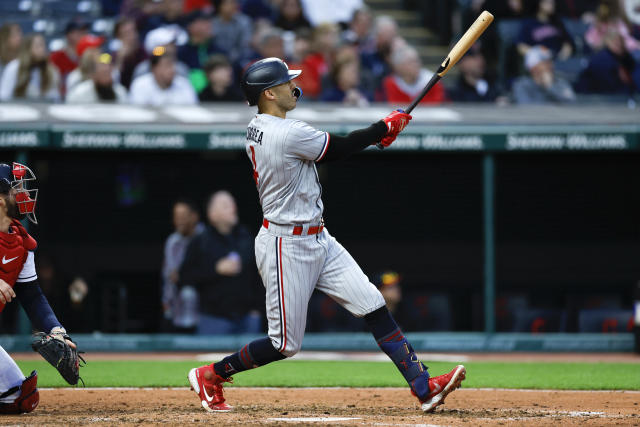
<point x="283" y="153"/>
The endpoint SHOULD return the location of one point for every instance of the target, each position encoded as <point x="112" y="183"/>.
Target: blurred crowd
<point x="157" y="52"/>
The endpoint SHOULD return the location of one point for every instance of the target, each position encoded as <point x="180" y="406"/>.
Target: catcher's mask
<point x="17" y="178"/>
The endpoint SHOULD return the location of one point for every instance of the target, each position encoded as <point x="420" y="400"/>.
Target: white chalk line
<point x="520" y="390"/>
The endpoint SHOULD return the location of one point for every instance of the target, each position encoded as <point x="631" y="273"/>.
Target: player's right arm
<point x="7" y="294"/>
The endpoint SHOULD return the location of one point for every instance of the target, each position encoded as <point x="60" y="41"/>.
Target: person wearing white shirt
<point x="100" y="87"/>
<point x="162" y="86"/>
<point x="30" y="76"/>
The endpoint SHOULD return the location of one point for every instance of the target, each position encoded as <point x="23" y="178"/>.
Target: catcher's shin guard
<point x="28" y="399"/>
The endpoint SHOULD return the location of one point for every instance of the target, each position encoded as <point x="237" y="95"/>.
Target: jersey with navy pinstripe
<point x="283" y="153"/>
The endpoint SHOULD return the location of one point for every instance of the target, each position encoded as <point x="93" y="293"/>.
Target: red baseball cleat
<point x="209" y="390"/>
<point x="441" y="386"/>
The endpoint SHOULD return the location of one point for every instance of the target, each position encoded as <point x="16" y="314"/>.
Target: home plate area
<point x="333" y="406"/>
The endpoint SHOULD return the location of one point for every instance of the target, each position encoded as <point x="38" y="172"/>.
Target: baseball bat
<point x="466" y="41"/>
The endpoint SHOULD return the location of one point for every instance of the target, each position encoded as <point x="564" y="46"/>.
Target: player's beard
<point x="12" y="209"/>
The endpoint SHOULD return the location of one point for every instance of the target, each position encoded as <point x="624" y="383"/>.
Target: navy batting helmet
<point x="265" y="74"/>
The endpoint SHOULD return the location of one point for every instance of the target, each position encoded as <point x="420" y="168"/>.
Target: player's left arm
<point x="32" y="299"/>
<point x="383" y="131"/>
<point x="36" y="306"/>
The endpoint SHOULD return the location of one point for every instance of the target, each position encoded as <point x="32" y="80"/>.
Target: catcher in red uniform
<point x="18" y="280"/>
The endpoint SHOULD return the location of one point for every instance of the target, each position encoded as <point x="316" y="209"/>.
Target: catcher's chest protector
<point x="13" y="255"/>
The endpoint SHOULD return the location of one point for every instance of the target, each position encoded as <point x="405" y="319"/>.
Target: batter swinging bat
<point x="466" y="41"/>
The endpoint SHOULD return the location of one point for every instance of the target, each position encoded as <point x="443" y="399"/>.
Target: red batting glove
<point x="387" y="140"/>
<point x="396" y="121"/>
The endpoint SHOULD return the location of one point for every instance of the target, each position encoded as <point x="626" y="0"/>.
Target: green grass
<point x="567" y="376"/>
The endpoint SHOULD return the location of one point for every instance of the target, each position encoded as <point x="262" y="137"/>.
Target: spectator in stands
<point x="166" y="38"/>
<point x="180" y="308"/>
<point x="66" y="59"/>
<point x="290" y="16"/>
<point x="408" y="79"/>
<point x="162" y="86"/>
<point x="88" y="50"/>
<point x="10" y="42"/>
<point x="100" y="87"/>
<point x="610" y="17"/>
<point x="221" y="87"/>
<point x="541" y="86"/>
<point x="30" y="76"/>
<point x="201" y="45"/>
<point x="233" y="29"/>
<point x="220" y="263"/>
<point x="330" y="11"/>
<point x="126" y="50"/>
<point x="612" y="70"/>
<point x="345" y="83"/>
<point x="473" y="85"/>
<point x="318" y="63"/>
<point x="307" y="81"/>
<point x="377" y="62"/>
<point x="360" y="31"/>
<point x="545" y="29"/>
<point x="170" y="13"/>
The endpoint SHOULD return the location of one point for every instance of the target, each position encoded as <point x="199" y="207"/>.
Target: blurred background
<point x="510" y="204"/>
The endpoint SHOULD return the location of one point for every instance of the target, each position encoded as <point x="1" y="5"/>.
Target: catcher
<point x="18" y="280"/>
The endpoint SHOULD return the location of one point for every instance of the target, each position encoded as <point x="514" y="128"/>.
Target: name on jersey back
<point x="254" y="135"/>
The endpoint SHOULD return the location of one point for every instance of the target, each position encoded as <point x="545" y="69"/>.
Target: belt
<point x="298" y="229"/>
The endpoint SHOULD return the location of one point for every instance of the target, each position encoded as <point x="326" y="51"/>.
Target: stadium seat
<point x="539" y="320"/>
<point x="577" y="29"/>
<point x="70" y="8"/>
<point x="605" y="320"/>
<point x="11" y="8"/>
<point x="570" y="68"/>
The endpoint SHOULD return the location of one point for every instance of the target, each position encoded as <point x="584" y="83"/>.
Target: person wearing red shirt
<point x="66" y="59"/>
<point x="408" y="79"/>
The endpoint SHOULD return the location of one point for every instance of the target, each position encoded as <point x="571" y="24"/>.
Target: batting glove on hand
<point x="396" y="121"/>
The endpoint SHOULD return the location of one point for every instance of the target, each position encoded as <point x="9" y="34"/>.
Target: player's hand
<point x="6" y="292"/>
<point x="60" y="334"/>
<point x="229" y="266"/>
<point x="387" y="140"/>
<point x="396" y="122"/>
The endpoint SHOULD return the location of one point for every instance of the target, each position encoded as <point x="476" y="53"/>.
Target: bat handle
<point x="408" y="110"/>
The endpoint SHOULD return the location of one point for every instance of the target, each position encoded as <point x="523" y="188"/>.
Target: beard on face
<point x="12" y="208"/>
<point x="105" y="92"/>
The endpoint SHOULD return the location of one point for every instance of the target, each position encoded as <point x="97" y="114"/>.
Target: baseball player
<point x="18" y="279"/>
<point x="295" y="253"/>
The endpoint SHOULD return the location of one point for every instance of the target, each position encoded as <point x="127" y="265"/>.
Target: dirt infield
<point x="376" y="406"/>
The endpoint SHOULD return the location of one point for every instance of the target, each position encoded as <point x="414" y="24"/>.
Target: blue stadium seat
<point x="70" y="8"/>
<point x="605" y="320"/>
<point x="536" y="320"/>
<point x="570" y="68"/>
<point x="577" y="29"/>
<point x="14" y="8"/>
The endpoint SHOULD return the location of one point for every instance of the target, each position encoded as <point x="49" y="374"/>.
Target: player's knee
<point x="291" y="349"/>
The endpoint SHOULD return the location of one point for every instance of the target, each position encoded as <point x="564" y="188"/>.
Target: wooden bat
<point x="466" y="41"/>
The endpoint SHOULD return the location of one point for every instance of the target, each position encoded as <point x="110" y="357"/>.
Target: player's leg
<point x="17" y="393"/>
<point x="289" y="268"/>
<point x="344" y="281"/>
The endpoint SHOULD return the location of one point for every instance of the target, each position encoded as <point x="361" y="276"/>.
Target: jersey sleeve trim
<point x="327" y="138"/>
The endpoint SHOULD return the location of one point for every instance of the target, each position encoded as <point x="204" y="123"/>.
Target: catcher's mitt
<point x="61" y="355"/>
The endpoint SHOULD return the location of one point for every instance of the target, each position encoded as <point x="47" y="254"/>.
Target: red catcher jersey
<point x="14" y="251"/>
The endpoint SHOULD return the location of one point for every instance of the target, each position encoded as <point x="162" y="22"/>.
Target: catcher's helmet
<point x="18" y="177"/>
<point x="264" y="74"/>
